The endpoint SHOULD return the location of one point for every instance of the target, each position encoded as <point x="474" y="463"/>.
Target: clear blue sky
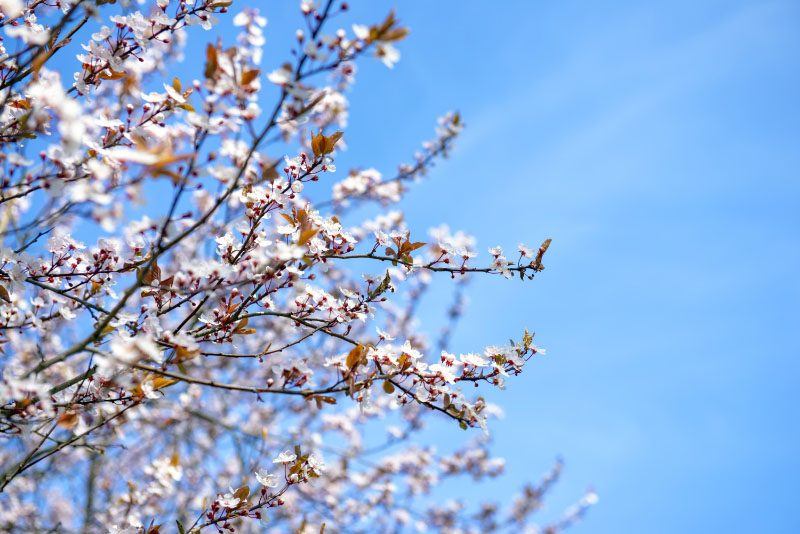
<point x="657" y="143"/>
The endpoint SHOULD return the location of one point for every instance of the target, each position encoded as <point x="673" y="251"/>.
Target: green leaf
<point x="382" y="287"/>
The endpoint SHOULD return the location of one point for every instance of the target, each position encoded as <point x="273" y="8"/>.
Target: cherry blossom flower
<point x="285" y="457"/>
<point x="525" y="251"/>
<point x="266" y="479"/>
<point x="228" y="500"/>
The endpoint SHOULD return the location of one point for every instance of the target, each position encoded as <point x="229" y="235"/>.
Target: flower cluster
<point x="182" y="296"/>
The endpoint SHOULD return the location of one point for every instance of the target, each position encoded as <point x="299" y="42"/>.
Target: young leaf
<point x="330" y="142"/>
<point x="242" y="494"/>
<point x="162" y="382"/>
<point x="68" y="420"/>
<point x="211" y="61"/>
<point x="305" y="235"/>
<point x="249" y="75"/>
<point x="240" y="328"/>
<point x="395" y="34"/>
<point x="354" y="357"/>
<point x="317" y="143"/>
<point x="537" y="263"/>
<point x="323" y="145"/>
<point x="154" y="274"/>
<point x="112" y="75"/>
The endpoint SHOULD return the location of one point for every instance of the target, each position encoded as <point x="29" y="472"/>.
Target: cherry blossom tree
<point x="188" y="341"/>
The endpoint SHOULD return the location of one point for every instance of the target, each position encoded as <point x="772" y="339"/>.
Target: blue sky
<point x="657" y="144"/>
